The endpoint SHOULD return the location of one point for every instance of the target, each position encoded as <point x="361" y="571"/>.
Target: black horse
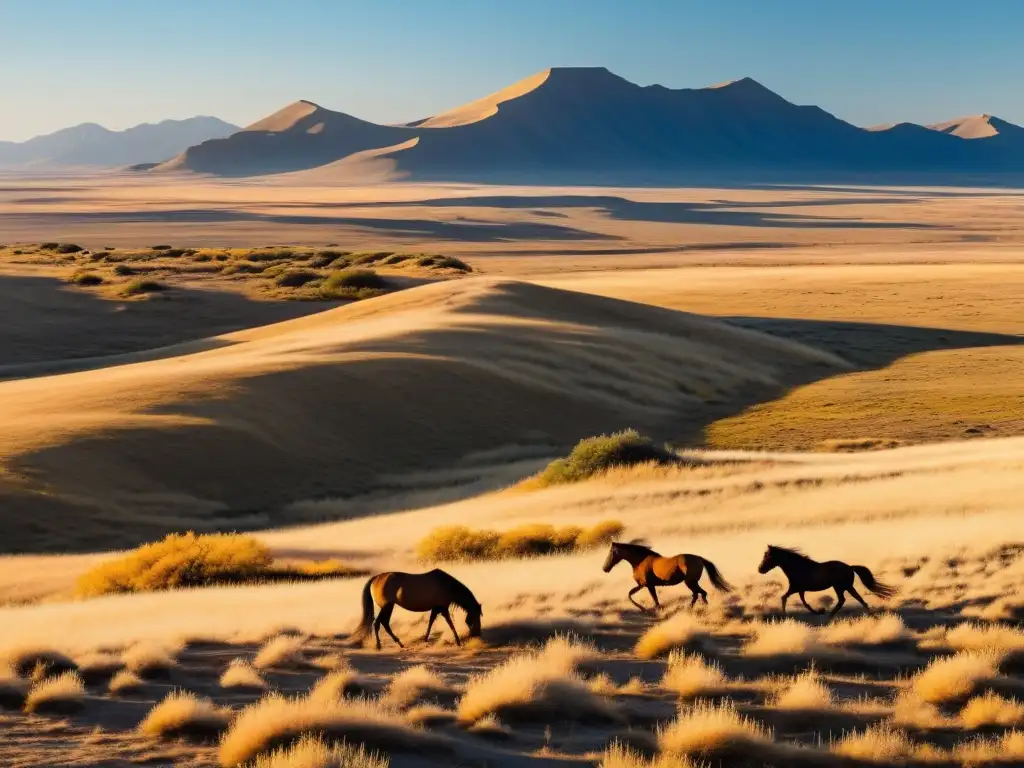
<point x="807" y="575"/>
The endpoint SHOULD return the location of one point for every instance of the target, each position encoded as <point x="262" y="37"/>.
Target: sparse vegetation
<point x="123" y="270"/>
<point x="13" y="689"/>
<point x="125" y="683"/>
<point x="241" y="674"/>
<point x="689" y="674"/>
<point x="148" y="660"/>
<point x="450" y="262"/>
<point x="594" y="455"/>
<point x="712" y="732"/>
<point x="678" y="631"/>
<point x="314" y="752"/>
<point x="39" y="662"/>
<point x="57" y="695"/>
<point x="280" y="651"/>
<point x="295" y="278"/>
<point x="459" y="543"/>
<point x="140" y="286"/>
<point x="950" y="678"/>
<point x="86" y="279"/>
<point x="353" y="284"/>
<point x="184" y="715"/>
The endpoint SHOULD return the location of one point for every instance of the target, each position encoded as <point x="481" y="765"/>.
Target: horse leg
<point x="632" y="592"/>
<point x="448" y="618"/>
<point x="804" y="601"/>
<point x="840" y="601"/>
<point x="697" y="592"/>
<point x="654" y="595"/>
<point x="430" y="624"/>
<point x="385" y="621"/>
<point x="858" y="598"/>
<point x="376" y="626"/>
<point x="785" y="597"/>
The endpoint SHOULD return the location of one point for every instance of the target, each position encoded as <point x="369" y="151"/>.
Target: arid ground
<point x="841" y="366"/>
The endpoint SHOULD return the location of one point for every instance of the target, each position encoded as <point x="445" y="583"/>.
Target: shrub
<point x="61" y="694"/>
<point x="416" y="685"/>
<point x="369" y="257"/>
<point x="313" y="752"/>
<point x="123" y="270"/>
<point x="426" y="261"/>
<point x="295" y="278"/>
<point x="992" y="710"/>
<point x="125" y="682"/>
<point x="341" y="683"/>
<point x="679" y="631"/>
<point x="325" y="258"/>
<point x="49" y="246"/>
<point x="69" y="248"/>
<point x="450" y="262"/>
<point x="708" y="731"/>
<point x="353" y="284"/>
<point x="138" y="287"/>
<point x="688" y="675"/>
<point x="280" y="651"/>
<point x="805" y="692"/>
<point x="184" y="715"/>
<point x="240" y="674"/>
<point x="877" y="744"/>
<point x="398" y="258"/>
<point x="160" y="247"/>
<point x="594" y="455"/>
<point x="86" y="279"/>
<point x="148" y="660"/>
<point x="781" y="638"/>
<point x="953" y="677"/>
<point x="98" y="667"/>
<point x="202" y="257"/>
<point x="458" y="543"/>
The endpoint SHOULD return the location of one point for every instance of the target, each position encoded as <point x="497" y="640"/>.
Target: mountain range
<point x="90" y="144"/>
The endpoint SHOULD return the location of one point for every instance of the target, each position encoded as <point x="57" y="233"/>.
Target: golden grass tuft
<point x="876" y="744"/>
<point x="275" y="721"/>
<point x="864" y="630"/>
<point x="992" y="710"/>
<point x="709" y="730"/>
<point x="953" y="677"/>
<point x="125" y="682"/>
<point x="280" y="651"/>
<point x="910" y="711"/>
<point x="62" y="694"/>
<point x="341" y="683"/>
<point x="804" y="692"/>
<point x="430" y="716"/>
<point x="996" y="638"/>
<point x="184" y="715"/>
<point x="13" y="689"/>
<point x="490" y="727"/>
<point x="781" y="638"/>
<point x="457" y="543"/>
<point x="28" y="661"/>
<point x="689" y="675"/>
<point x="241" y="674"/>
<point x="314" y="752"/>
<point x="415" y="685"/>
<point x="678" y="631"/>
<point x="536" y="686"/>
<point x="148" y="660"/>
<point x="1007" y="749"/>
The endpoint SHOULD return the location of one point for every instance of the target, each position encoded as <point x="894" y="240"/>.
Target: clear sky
<point x="122" y="62"/>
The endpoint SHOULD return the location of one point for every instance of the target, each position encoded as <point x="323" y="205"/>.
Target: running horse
<point x="651" y="570"/>
<point x="434" y="591"/>
<point x="807" y="575"/>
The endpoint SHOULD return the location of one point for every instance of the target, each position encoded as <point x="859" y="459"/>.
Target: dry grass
<point x="341" y="683"/>
<point x="59" y="695"/>
<point x="710" y="731"/>
<point x="96" y="667"/>
<point x="877" y="744"/>
<point x="281" y="651"/>
<point x="991" y="710"/>
<point x="864" y="631"/>
<point x="185" y="715"/>
<point x="415" y="685"/>
<point x="994" y="638"/>
<point x="125" y="682"/>
<point x="457" y="543"/>
<point x="953" y="677"/>
<point x="148" y="660"/>
<point x="689" y="675"/>
<point x="804" y="692"/>
<point x="910" y="711"/>
<point x="13" y="689"/>
<point x="314" y="752"/>
<point x="781" y="638"/>
<point x="241" y="674"/>
<point x="678" y="631"/>
<point x="1007" y="749"/>
<point x="26" y="661"/>
<point x="275" y="721"/>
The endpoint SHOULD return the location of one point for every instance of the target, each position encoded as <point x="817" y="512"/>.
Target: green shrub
<point x="295" y="278"/>
<point x="86" y="279"/>
<point x="139" y="286"/>
<point x="354" y="278"/>
<point x="456" y="543"/>
<point x="450" y="262"/>
<point x="597" y="454"/>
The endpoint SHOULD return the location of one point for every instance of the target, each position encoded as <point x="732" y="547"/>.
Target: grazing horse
<point x="652" y="570"/>
<point x="435" y="591"/>
<point x="806" y="575"/>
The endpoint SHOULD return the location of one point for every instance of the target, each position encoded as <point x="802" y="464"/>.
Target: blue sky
<point x="122" y="62"/>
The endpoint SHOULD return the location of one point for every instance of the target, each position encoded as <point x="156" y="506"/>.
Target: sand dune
<point x="336" y="403"/>
<point x="979" y="127"/>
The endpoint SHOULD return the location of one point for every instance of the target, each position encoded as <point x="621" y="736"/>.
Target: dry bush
<point x="781" y="638"/>
<point x="430" y="716"/>
<point x="864" y="630"/>
<point x="456" y="543"/>
<point x="148" y="660"/>
<point x="991" y="710"/>
<point x="28" y="661"/>
<point x="314" y="752"/>
<point x="804" y="692"/>
<point x="415" y="685"/>
<point x="61" y="694"/>
<point x="679" y="631"/>
<point x="539" y="686"/>
<point x="241" y="674"/>
<point x="274" y="721"/>
<point x="353" y="284"/>
<point x="280" y="651"/>
<point x="689" y="675"/>
<point x="97" y="667"/>
<point x="342" y="683"/>
<point x="139" y="287"/>
<point x="1007" y="749"/>
<point x="709" y="731"/>
<point x="13" y="689"/>
<point x="953" y="677"/>
<point x="182" y="714"/>
<point x="877" y="744"/>
<point x="594" y="455"/>
<point x="996" y="638"/>
<point x="125" y="682"/>
<point x="909" y="711"/>
<point x="85" y="278"/>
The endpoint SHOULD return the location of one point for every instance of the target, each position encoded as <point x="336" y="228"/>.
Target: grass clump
<point x="804" y="692"/>
<point x="64" y="248"/>
<point x="877" y="744"/>
<point x="991" y="710"/>
<point x="37" y="662"/>
<point x="281" y="651"/>
<point x="712" y="732"/>
<point x="416" y="685"/>
<point x="138" y="287"/>
<point x="99" y="667"/>
<point x="295" y="278"/>
<point x="182" y="714"/>
<point x="241" y="675"/>
<point x="313" y="752"/>
<point x="353" y="284"/>
<point x="594" y="455"/>
<point x="679" y="631"/>
<point x="450" y="262"/>
<point x="955" y="677"/>
<point x="148" y="660"/>
<point x="125" y="682"/>
<point x="86" y="279"/>
<point x="689" y="675"/>
<point x="62" y="694"/>
<point x="123" y="270"/>
<point x="457" y="543"/>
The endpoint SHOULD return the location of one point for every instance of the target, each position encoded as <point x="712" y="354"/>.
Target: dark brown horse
<point x="652" y="570"/>
<point x="807" y="575"/>
<point x="435" y="591"/>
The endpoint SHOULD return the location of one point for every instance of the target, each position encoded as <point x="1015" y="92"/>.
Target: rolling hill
<point x="90" y="144"/>
<point x="575" y="124"/>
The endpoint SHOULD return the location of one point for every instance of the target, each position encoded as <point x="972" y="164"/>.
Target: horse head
<point x="768" y="561"/>
<point x="614" y="556"/>
<point x="473" y="620"/>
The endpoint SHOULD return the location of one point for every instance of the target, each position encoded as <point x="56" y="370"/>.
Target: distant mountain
<point x="89" y="144"/>
<point x="979" y="127"/>
<point x="588" y="124"/>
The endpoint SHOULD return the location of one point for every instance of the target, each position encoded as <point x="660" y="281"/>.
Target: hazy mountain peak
<point x="977" y="127"/>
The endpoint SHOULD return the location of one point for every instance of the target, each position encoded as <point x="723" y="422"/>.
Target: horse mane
<point x="461" y="594"/>
<point x="636" y="544"/>
<point x="792" y="552"/>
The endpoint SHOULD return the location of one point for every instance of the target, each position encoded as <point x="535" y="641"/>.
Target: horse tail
<point x="366" y="623"/>
<point x="715" y="575"/>
<point x="882" y="590"/>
